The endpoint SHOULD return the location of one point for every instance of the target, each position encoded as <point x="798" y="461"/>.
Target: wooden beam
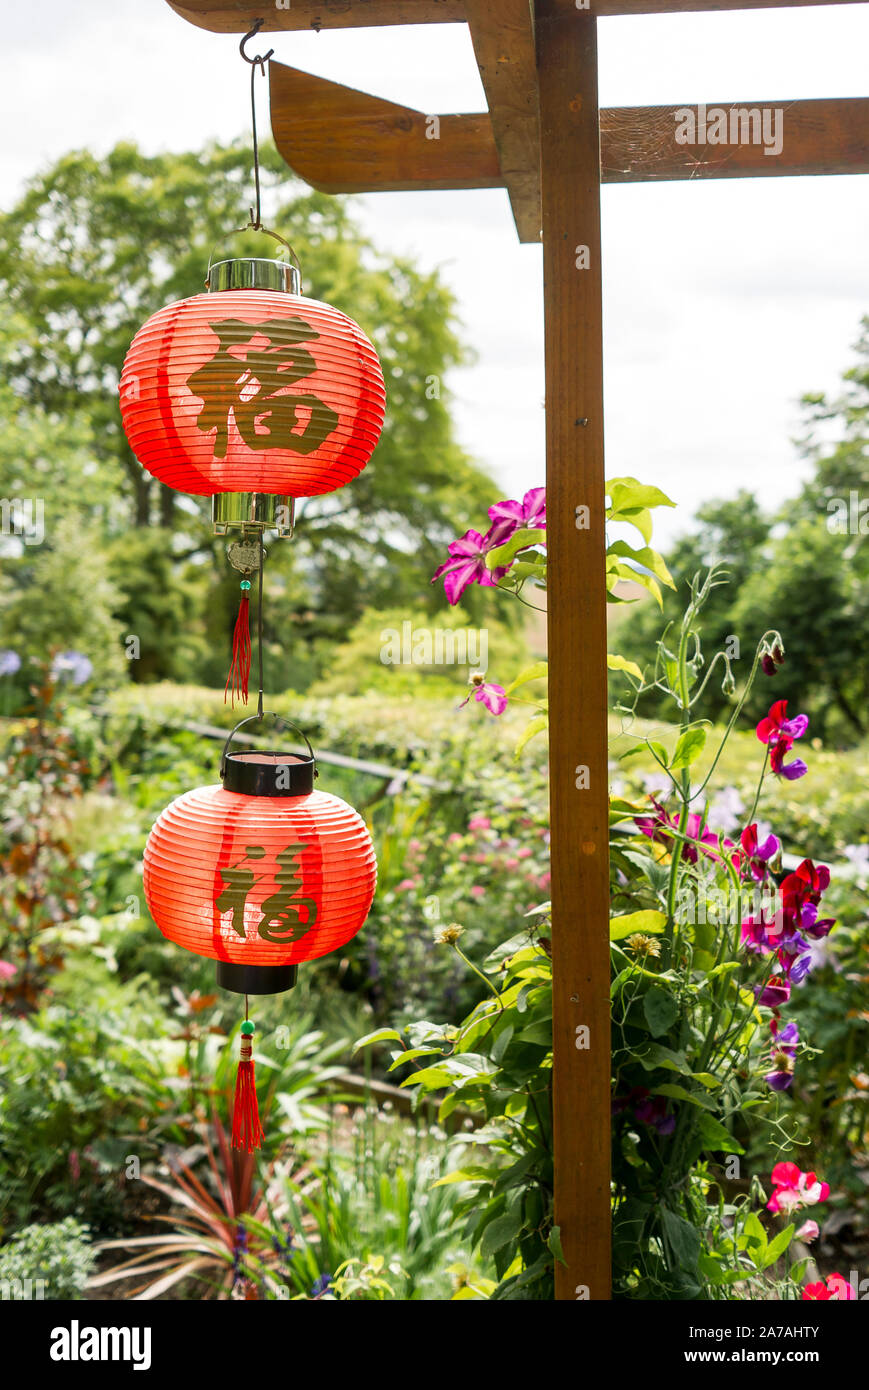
<point x="638" y="144"/>
<point x="576" y="605"/>
<point x="225" y="17"/>
<point x="634" y="7"/>
<point x="504" y="45"/>
<point x="343" y="141"/>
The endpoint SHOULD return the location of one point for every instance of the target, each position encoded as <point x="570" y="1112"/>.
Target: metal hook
<point x="261" y="58"/>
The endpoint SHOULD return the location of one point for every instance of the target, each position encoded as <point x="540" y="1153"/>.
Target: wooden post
<point x="575" y="502"/>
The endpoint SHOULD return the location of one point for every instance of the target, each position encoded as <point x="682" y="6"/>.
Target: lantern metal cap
<point x="253" y="273"/>
<point x="253" y="512"/>
<point x="256" y="979"/>
<point x="268" y="774"/>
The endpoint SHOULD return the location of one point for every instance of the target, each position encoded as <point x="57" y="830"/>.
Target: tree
<point x="95" y="246"/>
<point x="804" y="571"/>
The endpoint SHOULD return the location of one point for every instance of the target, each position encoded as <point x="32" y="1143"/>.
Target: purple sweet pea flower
<point x="467" y="562"/>
<point x="783" y="1052"/>
<point x="72" y="665"/>
<point x="758" y="854"/>
<point x="776" y="724"/>
<point x="10" y="662"/>
<point x="530" y="512"/>
<point x="791" y="771"/>
<point x="774" y="993"/>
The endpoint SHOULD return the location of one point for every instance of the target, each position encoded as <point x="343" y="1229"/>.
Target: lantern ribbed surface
<point x="259" y="880"/>
<point x="252" y="391"/>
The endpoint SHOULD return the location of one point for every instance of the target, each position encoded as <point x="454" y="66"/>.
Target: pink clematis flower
<point x="494" y="697"/>
<point x="795" y="1189"/>
<point x="530" y="512"/>
<point x="467" y="562"/>
<point x="835" y="1288"/>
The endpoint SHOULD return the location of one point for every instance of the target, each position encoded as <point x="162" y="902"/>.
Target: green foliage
<point x="77" y="1096"/>
<point x="64" y="599"/>
<point x="52" y="1261"/>
<point x="378" y="1216"/>
<point x="496" y="1065"/>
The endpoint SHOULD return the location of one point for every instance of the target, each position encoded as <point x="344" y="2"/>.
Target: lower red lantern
<point x="259" y="873"/>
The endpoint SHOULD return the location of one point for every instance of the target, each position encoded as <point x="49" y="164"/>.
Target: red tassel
<point x="239" y="671"/>
<point x="247" y="1132"/>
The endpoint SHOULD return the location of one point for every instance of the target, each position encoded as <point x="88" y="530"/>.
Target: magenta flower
<point x="758" y="855"/>
<point x="648" y="1110"/>
<point x="699" y="838"/>
<point x="777" y="723"/>
<point x="835" y="1288"/>
<point x="794" y="1189"/>
<point x="7" y="969"/>
<point x="467" y="562"/>
<point x="783" y="1052"/>
<point x="779" y="733"/>
<point x="494" y="697"/>
<point x="783" y="744"/>
<point x="530" y="512"/>
<point x="774" y="993"/>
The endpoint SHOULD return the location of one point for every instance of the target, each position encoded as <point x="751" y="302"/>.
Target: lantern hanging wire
<point x="258" y="62"/>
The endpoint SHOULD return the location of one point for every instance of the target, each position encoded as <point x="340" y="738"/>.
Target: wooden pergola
<point x="545" y="140"/>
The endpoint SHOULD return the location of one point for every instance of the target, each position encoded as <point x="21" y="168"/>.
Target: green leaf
<point x="628" y="492"/>
<point x="754" y="1232"/>
<point x="620" y="663"/>
<point x="645" y="556"/>
<point x="698" y="1098"/>
<point x="538" y="670"/>
<point x="688" y="748"/>
<point x="500" y="1232"/>
<point x="520" y="540"/>
<point x="382" y="1035"/>
<point x="533" y="727"/>
<point x="661" y="1010"/>
<point x="683" y="1239"/>
<point x="553" y="1241"/>
<point x="715" y="1137"/>
<point x="777" y="1246"/>
<point x="649" y="920"/>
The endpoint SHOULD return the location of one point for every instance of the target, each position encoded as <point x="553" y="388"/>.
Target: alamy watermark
<point x="734" y="125"/>
<point x="423" y="646"/>
<point x="848" y="518"/>
<point x="24" y="518"/>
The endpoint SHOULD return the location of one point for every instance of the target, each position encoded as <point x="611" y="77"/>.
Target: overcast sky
<point x="724" y="300"/>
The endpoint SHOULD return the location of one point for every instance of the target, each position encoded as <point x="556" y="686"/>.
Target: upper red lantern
<point x="252" y="390"/>
<point x="260" y="873"/>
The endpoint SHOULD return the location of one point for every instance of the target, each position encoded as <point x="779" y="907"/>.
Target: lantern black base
<point x="256" y="979"/>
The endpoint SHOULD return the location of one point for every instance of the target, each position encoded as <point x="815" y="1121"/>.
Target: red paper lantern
<point x="261" y="872"/>
<point x="252" y="389"/>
